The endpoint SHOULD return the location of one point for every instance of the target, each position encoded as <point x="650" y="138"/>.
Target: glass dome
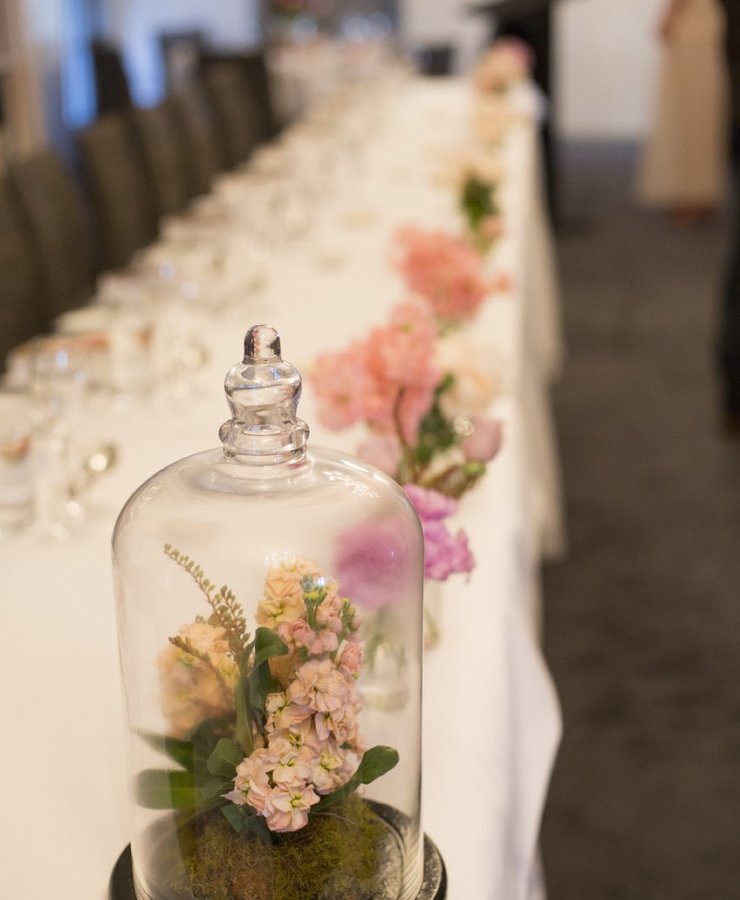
<point x="269" y="601"/>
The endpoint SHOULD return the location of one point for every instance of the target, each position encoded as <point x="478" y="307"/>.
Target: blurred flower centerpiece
<point x="507" y="63"/>
<point x="392" y="382"/>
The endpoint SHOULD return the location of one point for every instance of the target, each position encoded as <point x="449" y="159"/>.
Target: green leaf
<point x="261" y="683"/>
<point x="235" y="816"/>
<point x="266" y="645"/>
<point x="243" y="821"/>
<point x="243" y="717"/>
<point x="181" y="752"/>
<point x="375" y="762"/>
<point x="225" y="758"/>
<point x="216" y="787"/>
<point x="163" y="789"/>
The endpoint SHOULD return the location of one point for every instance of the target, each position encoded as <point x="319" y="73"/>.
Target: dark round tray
<point x="434" y="886"/>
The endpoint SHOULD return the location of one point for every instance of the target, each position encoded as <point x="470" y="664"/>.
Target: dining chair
<point x="197" y="132"/>
<point x="234" y="111"/>
<point x="253" y="68"/>
<point x="57" y="222"/>
<point x="124" y="215"/>
<point x="162" y="152"/>
<point x="23" y="310"/>
<point x="111" y="82"/>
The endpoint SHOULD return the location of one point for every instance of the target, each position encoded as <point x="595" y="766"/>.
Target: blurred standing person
<point x="684" y="162"/>
<point x="729" y="332"/>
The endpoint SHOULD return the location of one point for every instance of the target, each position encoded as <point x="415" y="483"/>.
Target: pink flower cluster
<point x="508" y="61"/>
<point x="311" y="743"/>
<point x="384" y="380"/>
<point x="443" y="269"/>
<point x="444" y="553"/>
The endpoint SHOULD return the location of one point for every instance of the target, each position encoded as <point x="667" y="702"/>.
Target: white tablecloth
<point x="491" y="721"/>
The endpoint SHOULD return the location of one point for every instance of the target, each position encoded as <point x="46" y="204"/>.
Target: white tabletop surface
<point x="491" y="720"/>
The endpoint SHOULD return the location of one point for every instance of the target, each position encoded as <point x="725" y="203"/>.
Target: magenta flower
<point x="445" y="553"/>
<point x="376" y="561"/>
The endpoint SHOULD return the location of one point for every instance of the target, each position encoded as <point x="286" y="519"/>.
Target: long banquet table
<point x="485" y="772"/>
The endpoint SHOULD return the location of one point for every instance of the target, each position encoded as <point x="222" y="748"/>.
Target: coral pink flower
<point x="341" y="381"/>
<point x="443" y="269"/>
<point x="350" y="659"/>
<point x="319" y="685"/>
<point x="484" y="442"/>
<point x="287" y="807"/>
<point x="294" y="767"/>
<point x="391" y="377"/>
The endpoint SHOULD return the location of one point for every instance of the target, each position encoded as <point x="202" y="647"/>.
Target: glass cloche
<point x="270" y="622"/>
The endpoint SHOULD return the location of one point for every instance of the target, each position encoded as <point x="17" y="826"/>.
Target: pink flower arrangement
<point x="387" y="380"/>
<point x="443" y="269"/>
<point x="508" y="61"/>
<point x="444" y="553"/>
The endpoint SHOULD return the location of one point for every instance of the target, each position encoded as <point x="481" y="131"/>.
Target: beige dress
<point x="684" y="160"/>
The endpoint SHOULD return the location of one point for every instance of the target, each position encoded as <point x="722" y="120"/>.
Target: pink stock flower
<point x="443" y="269"/>
<point x="484" y="442"/>
<point x="286" y="807"/>
<point x="445" y="554"/>
<point x="319" y="685"/>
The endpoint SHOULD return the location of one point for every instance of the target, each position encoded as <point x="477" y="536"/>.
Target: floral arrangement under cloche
<point x="264" y="729"/>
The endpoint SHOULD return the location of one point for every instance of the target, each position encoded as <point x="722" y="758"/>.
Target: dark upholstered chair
<point x="111" y="83"/>
<point x="23" y="311"/>
<point x="234" y="111"/>
<point x="196" y="131"/>
<point x="255" y="75"/>
<point x="125" y="217"/>
<point x="181" y="54"/>
<point x="164" y="158"/>
<point x="57" y="222"/>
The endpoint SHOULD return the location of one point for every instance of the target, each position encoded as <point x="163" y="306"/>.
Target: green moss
<point x="335" y="857"/>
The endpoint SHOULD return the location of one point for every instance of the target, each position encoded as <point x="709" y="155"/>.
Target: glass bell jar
<point x="269" y="599"/>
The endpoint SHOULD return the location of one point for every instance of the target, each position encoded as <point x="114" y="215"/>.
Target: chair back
<point x="255" y="75"/>
<point x="163" y="157"/>
<point x="197" y="133"/>
<point x="23" y="311"/>
<point x="57" y="223"/>
<point x="111" y="83"/>
<point x="234" y="111"/>
<point x="123" y="212"/>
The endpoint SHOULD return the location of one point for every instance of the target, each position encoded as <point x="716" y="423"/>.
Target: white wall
<point x="607" y="59"/>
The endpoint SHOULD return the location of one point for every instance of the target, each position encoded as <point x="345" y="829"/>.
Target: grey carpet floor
<point x="643" y="617"/>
